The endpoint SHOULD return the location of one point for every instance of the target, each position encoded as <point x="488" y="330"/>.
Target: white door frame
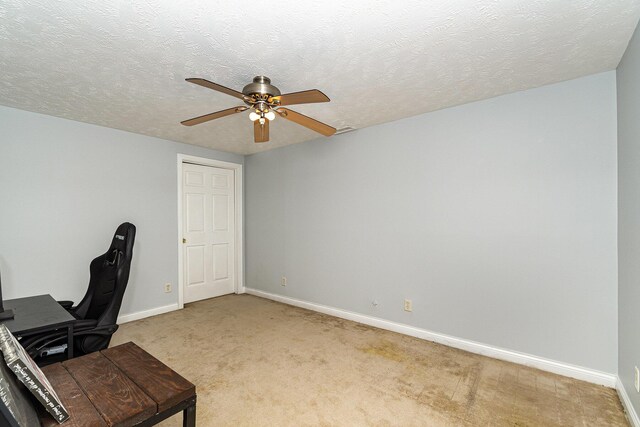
<point x="238" y="193"/>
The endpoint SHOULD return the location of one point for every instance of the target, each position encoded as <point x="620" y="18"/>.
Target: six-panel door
<point x="208" y="231"/>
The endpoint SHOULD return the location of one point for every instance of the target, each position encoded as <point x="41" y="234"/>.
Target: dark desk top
<point x="36" y="314"/>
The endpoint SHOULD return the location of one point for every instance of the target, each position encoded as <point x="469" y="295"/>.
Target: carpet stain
<point x="471" y="377"/>
<point x="215" y="384"/>
<point x="361" y="327"/>
<point x="386" y="349"/>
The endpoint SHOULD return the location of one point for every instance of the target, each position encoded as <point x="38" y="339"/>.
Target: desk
<point x="41" y="313"/>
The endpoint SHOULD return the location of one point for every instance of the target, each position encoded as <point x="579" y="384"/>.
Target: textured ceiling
<point x="122" y="64"/>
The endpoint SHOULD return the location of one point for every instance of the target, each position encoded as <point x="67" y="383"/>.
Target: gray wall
<point x="628" y="77"/>
<point x="497" y="218"/>
<point x="64" y="188"/>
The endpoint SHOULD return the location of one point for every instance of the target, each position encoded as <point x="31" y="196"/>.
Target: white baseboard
<point x="147" y="313"/>
<point x="632" y="415"/>
<point x="561" y="368"/>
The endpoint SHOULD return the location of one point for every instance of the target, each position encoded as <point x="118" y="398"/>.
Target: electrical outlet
<point x="637" y="380"/>
<point x="408" y="305"/>
<point x="167" y="287"/>
<point x="283" y="281"/>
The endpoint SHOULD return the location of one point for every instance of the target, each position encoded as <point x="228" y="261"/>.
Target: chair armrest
<point x="66" y="304"/>
<point x="80" y="325"/>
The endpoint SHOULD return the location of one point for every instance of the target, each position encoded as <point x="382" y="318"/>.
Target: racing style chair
<point x="97" y="313"/>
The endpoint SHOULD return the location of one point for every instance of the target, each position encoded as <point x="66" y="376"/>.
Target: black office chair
<point x="97" y="313"/>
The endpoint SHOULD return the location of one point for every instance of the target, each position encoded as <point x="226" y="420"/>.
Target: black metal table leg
<point x="189" y="416"/>
<point x="70" y="341"/>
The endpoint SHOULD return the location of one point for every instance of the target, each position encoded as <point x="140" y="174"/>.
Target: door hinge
<point x="184" y="240"/>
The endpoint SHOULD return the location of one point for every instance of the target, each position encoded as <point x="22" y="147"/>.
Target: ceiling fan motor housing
<point x="262" y="87"/>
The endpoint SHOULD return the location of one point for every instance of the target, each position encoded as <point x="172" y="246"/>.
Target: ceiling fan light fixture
<point x="253" y="116"/>
<point x="270" y="115"/>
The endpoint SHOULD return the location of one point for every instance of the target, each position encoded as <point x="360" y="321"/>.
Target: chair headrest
<point x="122" y="243"/>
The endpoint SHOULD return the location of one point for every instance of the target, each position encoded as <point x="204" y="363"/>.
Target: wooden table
<point x="120" y="387"/>
<point x="41" y="313"/>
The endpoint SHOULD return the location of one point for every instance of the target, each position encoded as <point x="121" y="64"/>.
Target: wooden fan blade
<point x="305" y="121"/>
<point x="216" y="86"/>
<point x="304" y="97"/>
<point x="261" y="132"/>
<point x="212" y="116"/>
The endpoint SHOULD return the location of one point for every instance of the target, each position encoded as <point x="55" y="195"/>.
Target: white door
<point x="208" y="231"/>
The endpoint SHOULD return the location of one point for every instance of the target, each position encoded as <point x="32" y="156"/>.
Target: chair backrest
<point x="109" y="276"/>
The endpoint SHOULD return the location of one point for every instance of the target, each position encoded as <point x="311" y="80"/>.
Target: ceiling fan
<point x="265" y="101"/>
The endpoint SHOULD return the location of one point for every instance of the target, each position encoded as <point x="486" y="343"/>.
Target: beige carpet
<point x="260" y="363"/>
